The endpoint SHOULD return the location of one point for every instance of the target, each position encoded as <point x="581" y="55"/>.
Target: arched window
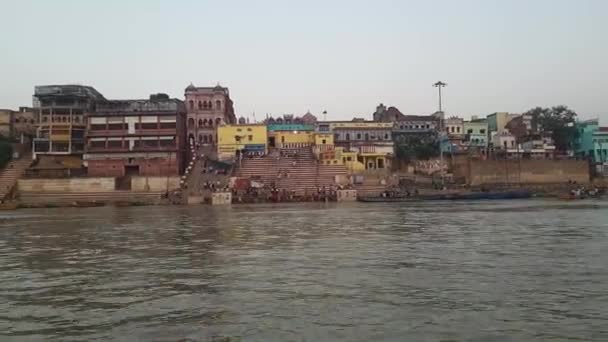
<point x="200" y="123"/>
<point x="200" y="105"/>
<point x="191" y="103"/>
<point x="205" y="105"/>
<point x="386" y="136"/>
<point x="210" y="139"/>
<point x="218" y="121"/>
<point x="210" y="123"/>
<point x="200" y="138"/>
<point x="190" y="123"/>
<point x="366" y="136"/>
<point x="347" y="136"/>
<point x="218" y="104"/>
<point x="204" y="139"/>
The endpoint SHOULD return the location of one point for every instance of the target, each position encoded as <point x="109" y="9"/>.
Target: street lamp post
<point x="440" y="85"/>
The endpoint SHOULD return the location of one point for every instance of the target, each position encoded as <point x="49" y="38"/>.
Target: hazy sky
<point x="290" y="56"/>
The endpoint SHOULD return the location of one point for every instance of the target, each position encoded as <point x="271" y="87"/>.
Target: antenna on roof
<point x="324" y="115"/>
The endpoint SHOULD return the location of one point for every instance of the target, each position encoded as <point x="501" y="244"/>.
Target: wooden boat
<point x="8" y="206"/>
<point x="470" y="196"/>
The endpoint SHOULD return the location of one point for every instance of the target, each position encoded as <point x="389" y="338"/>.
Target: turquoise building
<point x="592" y="141"/>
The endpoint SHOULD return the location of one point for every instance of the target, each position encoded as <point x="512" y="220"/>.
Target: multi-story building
<point x="235" y="140"/>
<point x="498" y="121"/>
<point x="19" y="124"/>
<point x="136" y="137"/>
<point x="207" y="108"/>
<point x="454" y="128"/>
<point x="476" y="135"/>
<point x="62" y="112"/>
<point x="592" y="141"/>
<point x="371" y="141"/>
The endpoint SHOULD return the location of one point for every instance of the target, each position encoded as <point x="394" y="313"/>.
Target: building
<point x="136" y="138"/>
<point x="592" y="141"/>
<point x="476" y="133"/>
<point x="454" y="128"/>
<point x="502" y="141"/>
<point x="370" y="140"/>
<point x="290" y="135"/>
<point x="236" y="140"/>
<point x="522" y="127"/>
<point x="498" y="121"/>
<point x="207" y="108"/>
<point x="62" y="111"/>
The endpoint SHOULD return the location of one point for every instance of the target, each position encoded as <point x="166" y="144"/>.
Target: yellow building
<point x="246" y="139"/>
<point x="324" y="138"/>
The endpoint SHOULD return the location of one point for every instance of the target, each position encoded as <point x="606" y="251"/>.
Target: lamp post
<point x="440" y="85"/>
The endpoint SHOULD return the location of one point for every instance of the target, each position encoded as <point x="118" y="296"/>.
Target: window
<point x="218" y="121"/>
<point x="98" y="144"/>
<point x="146" y="125"/>
<point x="117" y="126"/>
<point x="239" y="130"/>
<point x="347" y="136"/>
<point x="167" y="142"/>
<point x="218" y="104"/>
<point x="237" y="138"/>
<point x="167" y="125"/>
<point x="114" y="143"/>
<point x="386" y="136"/>
<point x="250" y="137"/>
<point x="190" y="123"/>
<point x="150" y="143"/>
<point x="248" y="129"/>
<point x="204" y="139"/>
<point x="100" y="127"/>
<point x="482" y="131"/>
<point x="358" y="136"/>
<point x="45" y="119"/>
<point x="457" y="129"/>
<point x="200" y="105"/>
<point x="191" y="103"/>
<point x="200" y="123"/>
<point x="470" y="131"/>
<point x="323" y="142"/>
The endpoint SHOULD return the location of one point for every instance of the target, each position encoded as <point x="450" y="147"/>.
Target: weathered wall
<point x="154" y="183"/>
<point x="147" y="167"/>
<point x="90" y="184"/>
<point x="477" y="172"/>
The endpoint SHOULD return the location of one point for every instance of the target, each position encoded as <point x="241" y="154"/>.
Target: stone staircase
<point x="296" y="171"/>
<point x="11" y="173"/>
<point x="69" y="198"/>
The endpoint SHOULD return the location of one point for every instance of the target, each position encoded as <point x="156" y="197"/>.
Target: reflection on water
<point x="485" y="271"/>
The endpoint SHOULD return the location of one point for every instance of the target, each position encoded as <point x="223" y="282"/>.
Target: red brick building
<point x="207" y="108"/>
<point x="136" y="137"/>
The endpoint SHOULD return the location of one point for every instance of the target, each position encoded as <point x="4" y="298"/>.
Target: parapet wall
<point x="89" y="184"/>
<point x="478" y="172"/>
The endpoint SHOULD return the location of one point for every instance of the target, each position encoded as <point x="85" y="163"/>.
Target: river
<point x="477" y="271"/>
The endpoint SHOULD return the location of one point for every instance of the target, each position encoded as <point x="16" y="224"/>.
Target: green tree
<point x="557" y="121"/>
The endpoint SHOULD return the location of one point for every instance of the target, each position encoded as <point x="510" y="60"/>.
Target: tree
<point x="557" y="121"/>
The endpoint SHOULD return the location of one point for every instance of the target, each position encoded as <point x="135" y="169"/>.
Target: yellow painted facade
<point x="246" y="138"/>
<point x="324" y="139"/>
<point x="292" y="137"/>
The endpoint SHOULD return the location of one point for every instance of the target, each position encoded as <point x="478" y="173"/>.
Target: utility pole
<point x="440" y="85"/>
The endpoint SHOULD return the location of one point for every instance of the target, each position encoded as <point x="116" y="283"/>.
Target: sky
<point x="345" y="57"/>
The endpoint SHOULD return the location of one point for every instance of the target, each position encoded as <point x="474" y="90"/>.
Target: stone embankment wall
<point x="140" y="184"/>
<point x="478" y="172"/>
<point x="89" y="184"/>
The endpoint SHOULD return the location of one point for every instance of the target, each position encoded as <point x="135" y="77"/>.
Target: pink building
<point x="207" y="108"/>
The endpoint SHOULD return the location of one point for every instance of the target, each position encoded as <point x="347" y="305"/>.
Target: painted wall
<point x="236" y="137"/>
<point x="89" y="184"/>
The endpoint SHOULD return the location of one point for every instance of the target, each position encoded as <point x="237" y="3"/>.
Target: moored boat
<point x="498" y="195"/>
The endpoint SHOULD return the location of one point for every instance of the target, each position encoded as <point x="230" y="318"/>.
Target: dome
<point x="191" y="87"/>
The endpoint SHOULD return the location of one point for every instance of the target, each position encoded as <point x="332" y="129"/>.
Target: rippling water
<point x="488" y="271"/>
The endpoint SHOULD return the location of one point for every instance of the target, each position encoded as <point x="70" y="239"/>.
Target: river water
<point x="484" y="271"/>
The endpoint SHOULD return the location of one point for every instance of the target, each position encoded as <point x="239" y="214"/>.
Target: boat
<point x="469" y="196"/>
